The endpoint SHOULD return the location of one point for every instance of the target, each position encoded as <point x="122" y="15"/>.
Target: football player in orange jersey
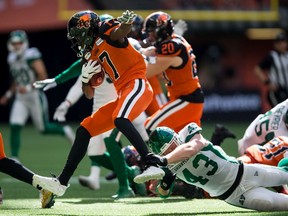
<point x="270" y="153"/>
<point x="104" y="45"/>
<point x="175" y="59"/>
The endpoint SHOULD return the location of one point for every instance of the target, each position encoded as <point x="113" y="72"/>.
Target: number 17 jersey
<point x="119" y="59"/>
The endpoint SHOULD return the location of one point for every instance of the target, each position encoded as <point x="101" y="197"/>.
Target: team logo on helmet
<point x="162" y="19"/>
<point x="84" y="21"/>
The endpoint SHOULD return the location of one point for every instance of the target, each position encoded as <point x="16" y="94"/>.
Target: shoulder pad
<point x="107" y="26"/>
<point x="189" y="131"/>
<point x="169" y="48"/>
<point x="33" y="53"/>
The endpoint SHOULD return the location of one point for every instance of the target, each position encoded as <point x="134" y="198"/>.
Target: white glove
<point x="127" y="17"/>
<point x="180" y="27"/>
<point x="89" y="69"/>
<point x="45" y="84"/>
<point x="61" y="111"/>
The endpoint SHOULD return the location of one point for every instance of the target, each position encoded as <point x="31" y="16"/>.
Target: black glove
<point x="168" y="179"/>
<point x="155" y="160"/>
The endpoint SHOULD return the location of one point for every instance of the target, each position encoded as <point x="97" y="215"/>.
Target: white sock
<point x="95" y="172"/>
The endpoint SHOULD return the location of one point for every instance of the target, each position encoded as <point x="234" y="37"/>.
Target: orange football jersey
<point x="181" y="80"/>
<point x="120" y="61"/>
<point x="270" y="153"/>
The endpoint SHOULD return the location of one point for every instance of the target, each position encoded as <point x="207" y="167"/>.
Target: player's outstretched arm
<point x="126" y="21"/>
<point x="73" y="71"/>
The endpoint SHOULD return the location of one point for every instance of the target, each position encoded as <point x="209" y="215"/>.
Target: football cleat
<point x="47" y="198"/>
<point x="151" y="173"/>
<point x="50" y="184"/>
<point x="87" y="181"/>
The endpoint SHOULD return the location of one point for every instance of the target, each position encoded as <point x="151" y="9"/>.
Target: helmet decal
<point x="84" y="21"/>
<point x="162" y="19"/>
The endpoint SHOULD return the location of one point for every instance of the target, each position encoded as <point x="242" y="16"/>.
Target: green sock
<point x="102" y="160"/>
<point x="15" y="139"/>
<point x="93" y="163"/>
<point x="283" y="164"/>
<point x="117" y="159"/>
<point x="53" y="128"/>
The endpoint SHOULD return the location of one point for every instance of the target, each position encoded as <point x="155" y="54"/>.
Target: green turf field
<point x="45" y="153"/>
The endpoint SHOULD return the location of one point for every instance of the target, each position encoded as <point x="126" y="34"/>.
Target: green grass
<point x="46" y="153"/>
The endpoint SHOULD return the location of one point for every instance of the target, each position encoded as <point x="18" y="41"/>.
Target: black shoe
<point x="110" y="176"/>
<point x="220" y="133"/>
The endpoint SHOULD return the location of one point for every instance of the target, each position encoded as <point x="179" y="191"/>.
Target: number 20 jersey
<point x="210" y="169"/>
<point x="181" y="80"/>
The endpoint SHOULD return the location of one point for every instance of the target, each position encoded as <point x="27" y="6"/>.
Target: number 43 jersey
<point x="210" y="169"/>
<point x="265" y="127"/>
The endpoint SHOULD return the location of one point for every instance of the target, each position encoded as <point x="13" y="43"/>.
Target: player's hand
<point x="155" y="160"/>
<point x="61" y="111"/>
<point x="89" y="69"/>
<point x="127" y="17"/>
<point x="45" y="84"/>
<point x="180" y="27"/>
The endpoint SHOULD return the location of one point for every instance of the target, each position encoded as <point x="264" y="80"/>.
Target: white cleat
<point x="151" y="173"/>
<point x="50" y="184"/>
<point x="87" y="181"/>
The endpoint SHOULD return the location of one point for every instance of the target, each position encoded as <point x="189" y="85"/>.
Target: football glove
<point x="167" y="184"/>
<point x="127" y="17"/>
<point x="89" y="69"/>
<point x="61" y="111"/>
<point x="45" y="84"/>
<point x="180" y="27"/>
<point x="155" y="160"/>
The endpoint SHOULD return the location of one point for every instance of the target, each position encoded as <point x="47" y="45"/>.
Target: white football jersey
<point x="211" y="168"/>
<point x="20" y="69"/>
<point x="265" y="127"/>
<point x="104" y="93"/>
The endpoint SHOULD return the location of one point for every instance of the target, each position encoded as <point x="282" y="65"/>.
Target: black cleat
<point x="110" y="176"/>
<point x="220" y="133"/>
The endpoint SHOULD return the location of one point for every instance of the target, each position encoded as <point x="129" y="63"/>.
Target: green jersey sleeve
<point x="73" y="71"/>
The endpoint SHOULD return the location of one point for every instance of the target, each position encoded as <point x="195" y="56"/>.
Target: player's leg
<point x="261" y="199"/>
<point x="96" y="152"/>
<point x="175" y="114"/>
<point x="99" y="122"/>
<point x="40" y="117"/>
<point x="18" y="117"/>
<point x="134" y="100"/>
<point x="139" y="125"/>
<point x="20" y="172"/>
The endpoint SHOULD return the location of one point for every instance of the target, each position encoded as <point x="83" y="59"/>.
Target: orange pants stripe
<point x="132" y="100"/>
<point x="176" y="114"/>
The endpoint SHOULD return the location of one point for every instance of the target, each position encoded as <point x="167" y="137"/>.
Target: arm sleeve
<point x="75" y="92"/>
<point x="73" y="71"/>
